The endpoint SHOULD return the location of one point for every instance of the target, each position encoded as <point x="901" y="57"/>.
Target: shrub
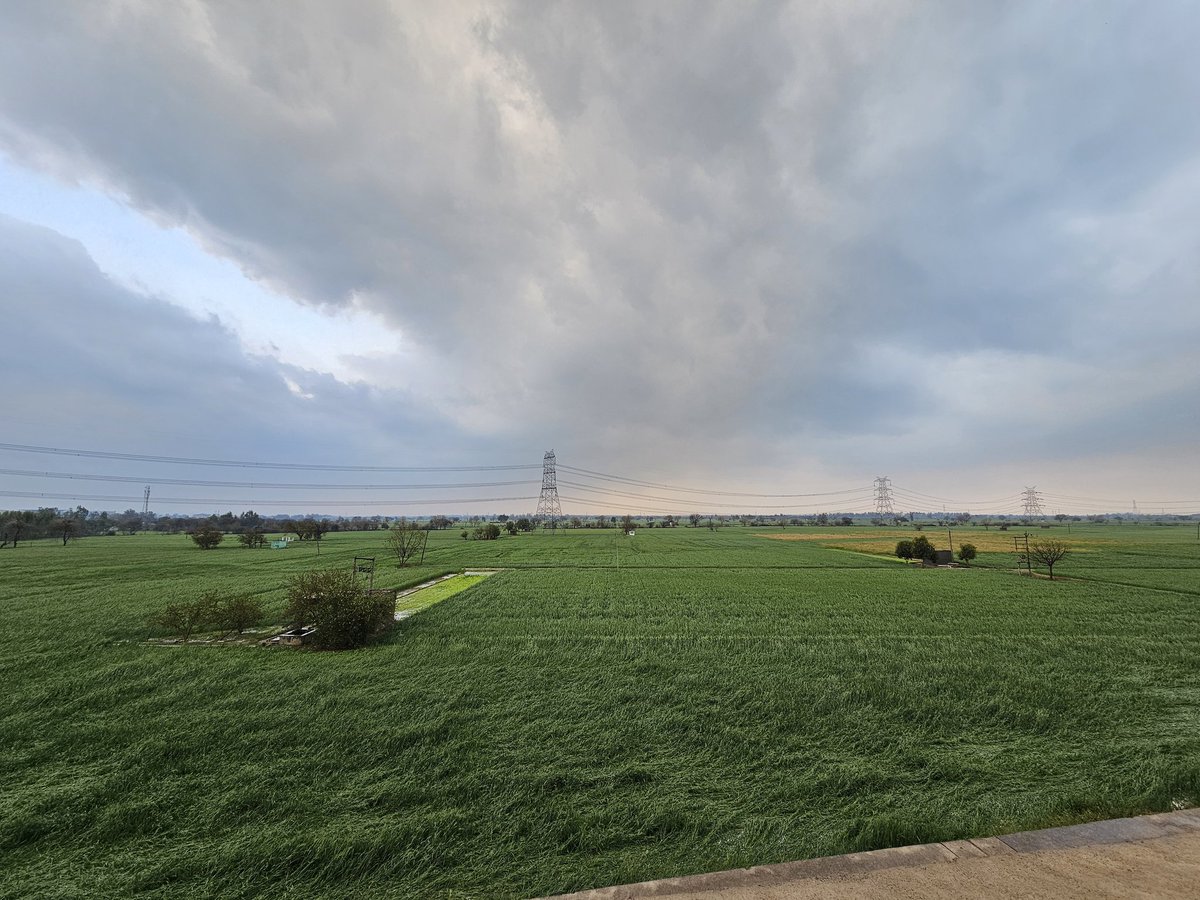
<point x="237" y="614"/>
<point x="252" y="538"/>
<point x="967" y="552"/>
<point x="337" y="603"/>
<point x="207" y="536"/>
<point x="904" y="550"/>
<point x="922" y="548"/>
<point x="184" y="617"/>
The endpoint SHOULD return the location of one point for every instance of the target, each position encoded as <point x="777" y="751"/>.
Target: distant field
<point x="606" y="709"/>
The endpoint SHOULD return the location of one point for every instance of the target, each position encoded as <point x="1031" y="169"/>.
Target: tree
<point x="904" y="550"/>
<point x="627" y="523"/>
<point x="922" y="548"/>
<point x="966" y="552"/>
<point x="336" y="602"/>
<point x="185" y="616"/>
<point x="1048" y="552"/>
<point x="694" y="520"/>
<point x="66" y="528"/>
<point x="406" y="540"/>
<point x="488" y="532"/>
<point x="237" y="614"/>
<point x="524" y="524"/>
<point x="207" y="536"/>
<point x="12" y="531"/>
<point x="252" y="539"/>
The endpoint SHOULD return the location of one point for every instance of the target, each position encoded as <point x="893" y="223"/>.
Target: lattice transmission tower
<point x="548" y="507"/>
<point x="883" y="497"/>
<point x="1032" y="502"/>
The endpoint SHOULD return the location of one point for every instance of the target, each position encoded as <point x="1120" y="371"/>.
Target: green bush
<point x="185" y="617"/>
<point x="337" y="603"/>
<point x="922" y="548"/>
<point x="237" y="613"/>
<point x="967" y="552"/>
<point x="207" y="536"/>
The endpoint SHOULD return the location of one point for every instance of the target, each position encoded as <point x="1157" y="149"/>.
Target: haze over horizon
<point x="764" y="248"/>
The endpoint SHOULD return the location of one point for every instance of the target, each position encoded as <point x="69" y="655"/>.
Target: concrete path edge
<point x="1109" y="831"/>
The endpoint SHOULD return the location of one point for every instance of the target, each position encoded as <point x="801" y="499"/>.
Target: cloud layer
<point x="819" y="240"/>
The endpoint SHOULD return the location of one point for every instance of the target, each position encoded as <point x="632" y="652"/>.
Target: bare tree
<point x="12" y="531"/>
<point x="185" y="616"/>
<point x="407" y="539"/>
<point x="1048" y="552"/>
<point x="66" y="528"/>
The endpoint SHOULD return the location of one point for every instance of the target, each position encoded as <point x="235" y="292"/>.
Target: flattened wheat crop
<point x="704" y="701"/>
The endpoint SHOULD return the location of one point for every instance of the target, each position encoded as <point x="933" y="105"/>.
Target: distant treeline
<point x="65" y="524"/>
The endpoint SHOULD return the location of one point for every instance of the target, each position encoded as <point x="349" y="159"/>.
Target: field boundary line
<point x="849" y="865"/>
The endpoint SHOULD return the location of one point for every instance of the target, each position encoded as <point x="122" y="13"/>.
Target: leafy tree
<point x="488" y="532"/>
<point x="237" y="613"/>
<point x="407" y="539"/>
<point x="966" y="552"/>
<point x="922" y="548"/>
<point x="510" y="526"/>
<point x="207" y="536"/>
<point x="524" y="524"/>
<point x="252" y="539"/>
<point x="185" y="616"/>
<point x="337" y="603"/>
<point x="1048" y="552"/>
<point x="904" y="550"/>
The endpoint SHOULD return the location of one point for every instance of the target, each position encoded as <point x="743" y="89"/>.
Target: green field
<point x="606" y="709"/>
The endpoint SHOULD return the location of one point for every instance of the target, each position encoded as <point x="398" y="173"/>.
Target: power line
<point x="690" y="490"/>
<point x="244" y="503"/>
<point x="618" y="493"/>
<point x="255" y="485"/>
<point x="241" y="464"/>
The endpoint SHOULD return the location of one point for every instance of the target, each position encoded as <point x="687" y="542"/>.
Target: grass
<point x="444" y="589"/>
<point x="606" y="709"/>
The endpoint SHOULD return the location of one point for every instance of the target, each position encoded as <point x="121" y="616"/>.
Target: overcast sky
<point x="773" y="248"/>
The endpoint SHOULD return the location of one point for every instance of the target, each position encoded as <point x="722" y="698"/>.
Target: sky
<point x="748" y="249"/>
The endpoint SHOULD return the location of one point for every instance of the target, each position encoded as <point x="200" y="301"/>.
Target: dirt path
<point x="1149" y="856"/>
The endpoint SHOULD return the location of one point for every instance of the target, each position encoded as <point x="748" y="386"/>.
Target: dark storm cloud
<point x="90" y="364"/>
<point x="644" y="225"/>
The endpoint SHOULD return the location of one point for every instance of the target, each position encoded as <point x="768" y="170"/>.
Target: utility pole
<point x="146" y="508"/>
<point x="548" y="503"/>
